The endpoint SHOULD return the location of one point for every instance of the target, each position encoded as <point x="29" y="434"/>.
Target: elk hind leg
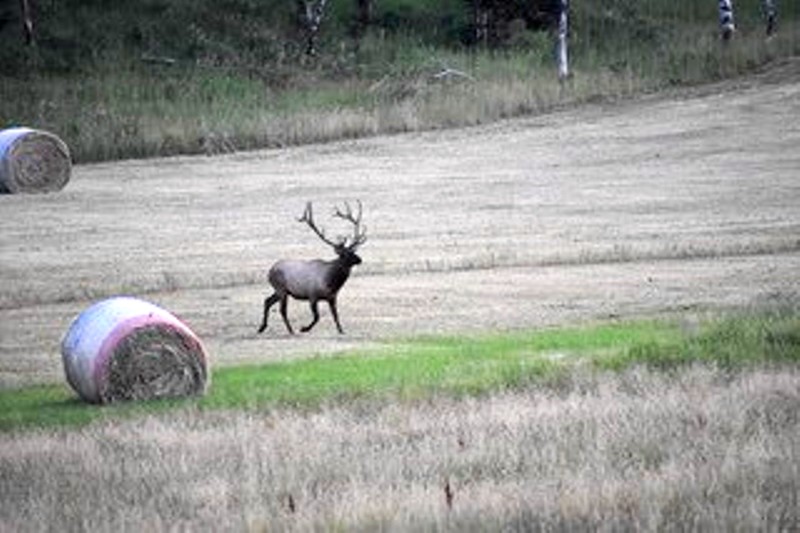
<point x="284" y="306"/>
<point x="314" y="317"/>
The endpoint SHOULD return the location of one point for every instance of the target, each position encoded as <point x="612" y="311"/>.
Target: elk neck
<point x="338" y="272"/>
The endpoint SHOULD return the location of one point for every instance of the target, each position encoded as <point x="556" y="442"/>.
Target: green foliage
<point x="454" y="366"/>
<point x="441" y="22"/>
<point x="163" y="77"/>
<point x="80" y="36"/>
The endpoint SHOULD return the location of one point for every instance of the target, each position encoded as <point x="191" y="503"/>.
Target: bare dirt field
<point x="684" y="202"/>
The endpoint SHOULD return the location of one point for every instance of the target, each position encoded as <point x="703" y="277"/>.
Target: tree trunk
<point x="726" y="24"/>
<point x="310" y="15"/>
<point x="480" y="17"/>
<point x="27" y="22"/>
<point x="771" y="14"/>
<point x="562" y="57"/>
<point x="363" y="16"/>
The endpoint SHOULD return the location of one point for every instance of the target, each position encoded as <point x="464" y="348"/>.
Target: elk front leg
<point x="315" y="317"/>
<point x="335" y="313"/>
<point x="269" y="302"/>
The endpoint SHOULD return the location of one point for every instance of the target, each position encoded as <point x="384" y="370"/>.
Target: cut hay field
<point x="685" y="202"/>
<point x="680" y="205"/>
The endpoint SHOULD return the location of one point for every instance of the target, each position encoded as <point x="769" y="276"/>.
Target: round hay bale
<point x="124" y="349"/>
<point x="32" y="161"/>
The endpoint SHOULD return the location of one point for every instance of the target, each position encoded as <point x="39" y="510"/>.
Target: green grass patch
<point x="457" y="366"/>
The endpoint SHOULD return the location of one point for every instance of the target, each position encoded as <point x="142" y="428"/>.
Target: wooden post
<point x="726" y="24"/>
<point x="562" y="57"/>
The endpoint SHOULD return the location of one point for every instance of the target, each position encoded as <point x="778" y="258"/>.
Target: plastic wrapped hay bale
<point x="127" y="349"/>
<point x="32" y="161"/>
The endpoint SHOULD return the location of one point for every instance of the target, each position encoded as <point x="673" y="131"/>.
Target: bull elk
<point x="317" y="279"/>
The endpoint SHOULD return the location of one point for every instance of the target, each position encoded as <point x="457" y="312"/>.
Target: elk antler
<point x="359" y="232"/>
<point x="308" y="218"/>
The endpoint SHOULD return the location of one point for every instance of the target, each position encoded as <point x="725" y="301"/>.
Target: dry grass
<point x="639" y="450"/>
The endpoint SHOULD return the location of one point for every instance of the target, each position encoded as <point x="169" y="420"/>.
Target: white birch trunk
<point x="562" y="56"/>
<point x="312" y="20"/>
<point x="726" y="24"/>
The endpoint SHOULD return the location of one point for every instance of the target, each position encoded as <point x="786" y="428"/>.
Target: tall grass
<point x="638" y="450"/>
<point x="451" y="366"/>
<point x="121" y="107"/>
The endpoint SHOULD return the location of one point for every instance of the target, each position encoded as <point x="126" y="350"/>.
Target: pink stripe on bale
<point x="129" y="326"/>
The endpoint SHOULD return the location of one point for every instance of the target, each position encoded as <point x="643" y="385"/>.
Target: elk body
<point x="316" y="280"/>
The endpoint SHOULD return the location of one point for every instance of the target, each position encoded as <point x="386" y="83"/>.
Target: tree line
<point x="311" y="25"/>
<point x="488" y="22"/>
